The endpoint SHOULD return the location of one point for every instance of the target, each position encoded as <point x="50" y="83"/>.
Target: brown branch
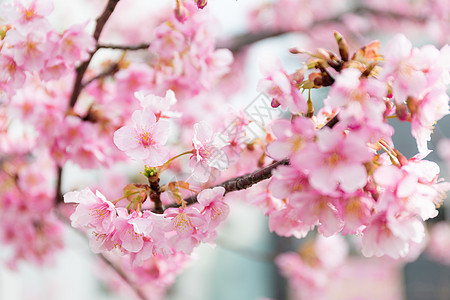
<point x="101" y="21"/>
<point x="118" y="270"/>
<point x="245" y="181"/>
<point x="124" y="47"/>
<point x="155" y="194"/>
<point x="81" y="70"/>
<point x="240" y="42"/>
<point x="124" y="276"/>
<point x="111" y="70"/>
<point x="59" y="196"/>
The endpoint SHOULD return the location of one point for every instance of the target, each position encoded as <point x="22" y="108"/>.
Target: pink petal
<point x="279" y="150"/>
<point x="351" y="177"/>
<point x="322" y="180"/>
<point x="161" y="131"/>
<point x="203" y="132"/>
<point x="143" y="119"/>
<point x="139" y="153"/>
<point x="156" y="157"/>
<point x="387" y="175"/>
<point x="125" y="138"/>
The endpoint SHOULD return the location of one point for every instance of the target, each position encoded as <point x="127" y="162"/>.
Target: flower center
<point x="145" y="139"/>
<point x="333" y="159"/>
<point x="182" y="223"/>
<point x="206" y="151"/>
<point x="29" y="14"/>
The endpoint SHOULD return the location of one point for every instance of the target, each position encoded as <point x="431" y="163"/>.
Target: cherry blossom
<point x="335" y="160"/>
<point x="145" y="140"/>
<point x="208" y="153"/>
<point x="215" y="210"/>
<point x="72" y="100"/>
<point x="93" y="210"/>
<point x="290" y="137"/>
<point x="282" y="87"/>
<point x="158" y="105"/>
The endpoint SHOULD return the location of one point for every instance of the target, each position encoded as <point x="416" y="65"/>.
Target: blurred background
<point x="241" y="265"/>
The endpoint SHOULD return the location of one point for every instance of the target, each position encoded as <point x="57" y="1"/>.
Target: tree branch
<point x="124" y="47"/>
<point x="81" y="70"/>
<point x="111" y="70"/>
<point x="239" y="42"/>
<point x="59" y="196"/>
<point x="118" y="270"/>
<point x="124" y="276"/>
<point x="245" y="181"/>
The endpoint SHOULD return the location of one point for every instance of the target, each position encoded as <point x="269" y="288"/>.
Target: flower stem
<point x="175" y="157"/>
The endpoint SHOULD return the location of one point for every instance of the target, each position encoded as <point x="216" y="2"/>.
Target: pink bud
<point x="181" y="12"/>
<point x="201" y="3"/>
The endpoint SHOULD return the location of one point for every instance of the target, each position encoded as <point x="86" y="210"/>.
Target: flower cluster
<point x="208" y="152"/>
<point x="418" y="77"/>
<point x="311" y="269"/>
<point x="142" y="235"/>
<point x="29" y="45"/>
<point x="283" y="88"/>
<point x="26" y="201"/>
<point x="337" y="179"/>
<point x="185" y="58"/>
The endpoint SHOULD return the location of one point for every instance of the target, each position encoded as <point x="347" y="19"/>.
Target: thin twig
<point x="124" y="47"/>
<point x="101" y="21"/>
<point x="240" y="42"/>
<point x="59" y="196"/>
<point x="245" y="181"/>
<point x="117" y="269"/>
<point x="111" y="70"/>
<point x="124" y="276"/>
<point x="81" y="70"/>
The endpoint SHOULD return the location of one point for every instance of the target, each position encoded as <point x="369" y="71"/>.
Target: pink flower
<point x="29" y="51"/>
<point x="153" y="227"/>
<point x="285" y="222"/>
<point x="288" y="180"/>
<point x="207" y="152"/>
<point x="75" y="44"/>
<point x="160" y="106"/>
<point x="388" y="235"/>
<point x="358" y="98"/>
<point x="125" y="234"/>
<point x="408" y="79"/>
<point x="278" y="85"/>
<point x="93" y="211"/>
<point x="28" y="13"/>
<point x="291" y="137"/>
<point x="215" y="209"/>
<point x="355" y="211"/>
<point x="336" y="159"/>
<point x="414" y="186"/>
<point x="313" y="209"/>
<point x="311" y="269"/>
<point x="185" y="56"/>
<point x="187" y="223"/>
<point x="145" y="140"/>
<point x="427" y="112"/>
<point x="10" y="72"/>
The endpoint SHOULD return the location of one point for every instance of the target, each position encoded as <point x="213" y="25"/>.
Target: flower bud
<point x="201" y="3"/>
